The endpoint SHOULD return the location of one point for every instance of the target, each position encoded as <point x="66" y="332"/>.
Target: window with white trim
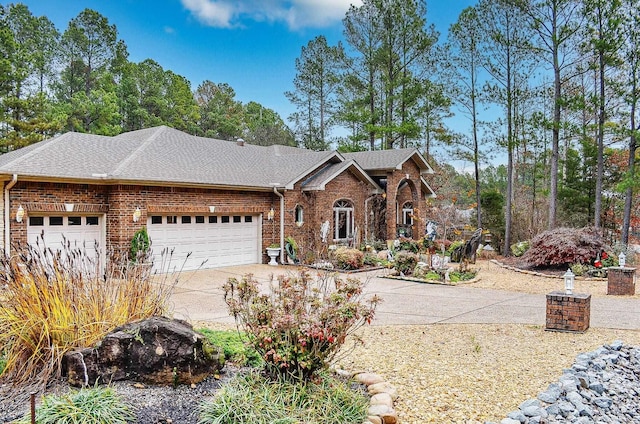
<point x="407" y="213"/>
<point x="299" y="215"/>
<point x="343" y="220"/>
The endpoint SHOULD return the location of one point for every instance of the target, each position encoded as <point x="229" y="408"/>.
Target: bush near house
<point x="349" y="259"/>
<point x="301" y="326"/>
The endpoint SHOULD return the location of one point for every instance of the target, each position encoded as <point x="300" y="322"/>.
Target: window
<point x="248" y="218"/>
<point x="343" y="220"/>
<point x="156" y="219"/>
<point x="298" y="213"/>
<point x="237" y="218"/>
<point x="91" y="220"/>
<point x="186" y="220"/>
<point x="407" y="214"/>
<point x="213" y="219"/>
<point x="225" y="219"/>
<point x="36" y="221"/>
<point x="55" y="220"/>
<point x="172" y="219"/>
<point x="200" y="219"/>
<point x="75" y="220"/>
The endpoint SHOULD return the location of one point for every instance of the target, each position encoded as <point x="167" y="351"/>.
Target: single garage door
<point x="79" y="231"/>
<point x="220" y="240"/>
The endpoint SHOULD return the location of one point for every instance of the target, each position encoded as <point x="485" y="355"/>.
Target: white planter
<point x="273" y="253"/>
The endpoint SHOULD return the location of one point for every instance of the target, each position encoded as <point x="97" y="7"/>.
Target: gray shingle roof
<point x="161" y="155"/>
<point x="379" y="160"/>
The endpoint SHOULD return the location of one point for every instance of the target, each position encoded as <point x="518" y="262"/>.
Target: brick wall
<point x="621" y="281"/>
<point x="412" y="193"/>
<point x="568" y="312"/>
<point x="318" y="207"/>
<point x="119" y="202"/>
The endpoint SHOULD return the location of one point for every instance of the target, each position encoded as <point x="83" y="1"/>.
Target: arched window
<point x="343" y="220"/>
<point x="298" y="213"/>
<point x="407" y="213"/>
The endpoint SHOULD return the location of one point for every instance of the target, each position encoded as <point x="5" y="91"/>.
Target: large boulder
<point x="156" y="350"/>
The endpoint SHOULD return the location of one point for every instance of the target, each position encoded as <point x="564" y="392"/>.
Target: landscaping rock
<point x="601" y="386"/>
<point x="157" y="350"/>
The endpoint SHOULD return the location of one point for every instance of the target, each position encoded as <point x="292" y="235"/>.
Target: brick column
<point x="621" y="281"/>
<point x="568" y="312"/>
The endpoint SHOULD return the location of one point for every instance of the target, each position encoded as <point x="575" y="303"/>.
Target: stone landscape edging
<point x="541" y="274"/>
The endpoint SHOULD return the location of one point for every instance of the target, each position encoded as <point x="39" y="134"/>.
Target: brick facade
<point x="396" y="197"/>
<point x="568" y="312"/>
<point x="621" y="281"/>
<point x="117" y="203"/>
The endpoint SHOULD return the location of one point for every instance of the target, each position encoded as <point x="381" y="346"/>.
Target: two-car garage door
<point x="203" y="241"/>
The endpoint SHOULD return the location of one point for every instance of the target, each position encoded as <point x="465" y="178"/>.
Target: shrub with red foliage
<point x="565" y="246"/>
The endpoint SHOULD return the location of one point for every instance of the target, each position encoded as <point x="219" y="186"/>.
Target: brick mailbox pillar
<point x="621" y="281"/>
<point x="568" y="312"/>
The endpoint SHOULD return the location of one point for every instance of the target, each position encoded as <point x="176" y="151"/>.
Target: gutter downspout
<point x="7" y="214"/>
<point x="275" y="190"/>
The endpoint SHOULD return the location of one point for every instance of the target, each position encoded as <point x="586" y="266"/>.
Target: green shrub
<point x="454" y="245"/>
<point x="3" y="363"/>
<point x="87" y="406"/>
<point x="405" y="262"/>
<point x="301" y="326"/>
<point x="235" y="346"/>
<point x="349" y="259"/>
<point x="519" y="248"/>
<point x="457" y="276"/>
<point x="251" y="398"/>
<point x="140" y="244"/>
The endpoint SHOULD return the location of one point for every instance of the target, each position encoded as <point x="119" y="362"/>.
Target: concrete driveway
<point x="199" y="297"/>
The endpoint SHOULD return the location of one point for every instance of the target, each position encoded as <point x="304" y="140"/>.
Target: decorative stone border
<point x="437" y="282"/>
<point x="541" y="274"/>
<point x="383" y="396"/>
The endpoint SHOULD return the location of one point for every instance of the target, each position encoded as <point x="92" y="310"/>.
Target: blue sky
<point x="249" y="44"/>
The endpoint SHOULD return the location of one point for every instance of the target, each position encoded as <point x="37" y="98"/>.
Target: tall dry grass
<point x="56" y="300"/>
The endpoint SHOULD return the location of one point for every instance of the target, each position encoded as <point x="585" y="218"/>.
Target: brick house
<point x="222" y="201"/>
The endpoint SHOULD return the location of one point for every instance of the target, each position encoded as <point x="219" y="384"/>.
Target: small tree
<point x="140" y="244"/>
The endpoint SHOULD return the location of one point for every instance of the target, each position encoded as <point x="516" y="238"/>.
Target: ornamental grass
<point x="57" y="300"/>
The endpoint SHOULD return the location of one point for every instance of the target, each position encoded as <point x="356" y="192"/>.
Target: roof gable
<point x="389" y="160"/>
<point x="320" y="180"/>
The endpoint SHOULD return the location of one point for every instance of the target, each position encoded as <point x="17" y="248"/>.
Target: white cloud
<point x="295" y="13"/>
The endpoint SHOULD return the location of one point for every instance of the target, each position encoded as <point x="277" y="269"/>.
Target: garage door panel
<point x="78" y="232"/>
<point x="221" y="240"/>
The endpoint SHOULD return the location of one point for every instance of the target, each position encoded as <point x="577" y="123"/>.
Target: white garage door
<point x="80" y="232"/>
<point x="220" y="240"/>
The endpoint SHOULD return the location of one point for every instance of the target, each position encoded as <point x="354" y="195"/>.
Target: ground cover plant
<point x="98" y="405"/>
<point x="235" y="346"/>
<point x="258" y="399"/>
<point x="56" y="300"/>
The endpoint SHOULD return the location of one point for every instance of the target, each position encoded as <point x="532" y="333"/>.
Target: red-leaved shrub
<point x="300" y="326"/>
<point x="349" y="259"/>
<point x="564" y="246"/>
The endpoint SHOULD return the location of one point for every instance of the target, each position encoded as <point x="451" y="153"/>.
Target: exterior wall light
<point x="136" y="215"/>
<point x="622" y="260"/>
<point x="20" y="214"/>
<point x="271" y="214"/>
<point x="569" y="279"/>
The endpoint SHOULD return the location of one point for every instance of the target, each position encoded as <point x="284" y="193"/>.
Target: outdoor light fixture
<point x="271" y="214"/>
<point x="569" y="278"/>
<point x="20" y="214"/>
<point x="136" y="215"/>
<point x="622" y="259"/>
